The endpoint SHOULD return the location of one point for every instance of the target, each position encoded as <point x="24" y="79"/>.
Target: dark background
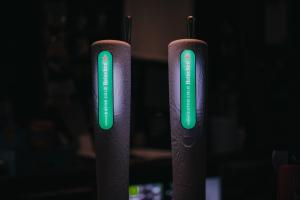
<point x="45" y="94"/>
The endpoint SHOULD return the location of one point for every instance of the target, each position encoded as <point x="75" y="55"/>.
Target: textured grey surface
<point x="112" y="146"/>
<point x="188" y="145"/>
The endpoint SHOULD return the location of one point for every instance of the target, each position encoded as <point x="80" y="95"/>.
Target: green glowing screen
<point x="187" y="89"/>
<point x="105" y="90"/>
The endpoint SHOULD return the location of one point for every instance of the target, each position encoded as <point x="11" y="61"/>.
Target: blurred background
<point x="46" y="137"/>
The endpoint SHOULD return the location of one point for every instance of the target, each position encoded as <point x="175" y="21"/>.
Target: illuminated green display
<point x="105" y="90"/>
<point x="187" y="89"/>
<point x="133" y="190"/>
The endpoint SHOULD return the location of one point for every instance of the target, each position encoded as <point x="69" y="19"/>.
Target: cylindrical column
<point x="111" y="61"/>
<point x="187" y="86"/>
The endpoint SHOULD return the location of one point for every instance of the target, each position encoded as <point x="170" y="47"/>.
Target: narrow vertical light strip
<point x="187" y="89"/>
<point x="105" y="90"/>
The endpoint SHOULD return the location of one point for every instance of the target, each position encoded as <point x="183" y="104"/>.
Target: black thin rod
<point x="127" y="29"/>
<point x="190" y="20"/>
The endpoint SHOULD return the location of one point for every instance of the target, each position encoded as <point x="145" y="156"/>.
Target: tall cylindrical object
<point x="187" y="86"/>
<point x="111" y="61"/>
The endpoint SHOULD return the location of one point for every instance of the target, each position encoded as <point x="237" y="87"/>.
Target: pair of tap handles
<point x="111" y="94"/>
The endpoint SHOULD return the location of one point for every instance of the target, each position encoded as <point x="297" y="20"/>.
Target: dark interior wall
<point x="22" y="52"/>
<point x="294" y="63"/>
<point x="256" y="69"/>
<point x="24" y="35"/>
<point x="156" y="24"/>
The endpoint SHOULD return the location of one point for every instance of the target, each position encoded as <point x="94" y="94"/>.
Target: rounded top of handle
<point x="115" y="42"/>
<point x="187" y="41"/>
